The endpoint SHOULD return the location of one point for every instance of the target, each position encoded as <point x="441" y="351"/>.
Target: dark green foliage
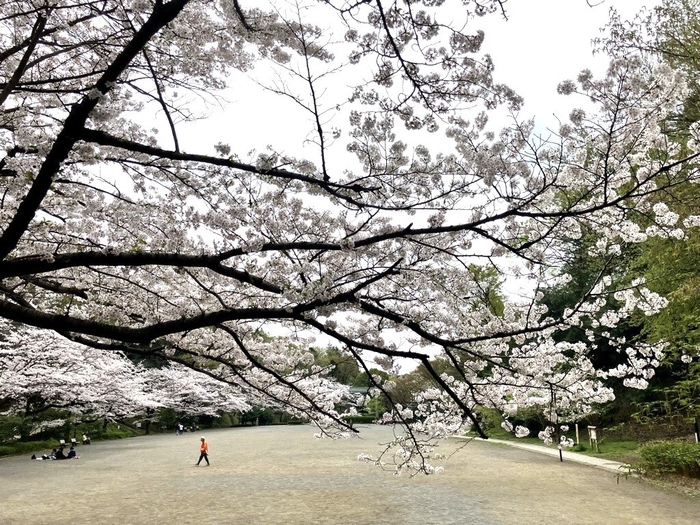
<point x="489" y="294"/>
<point x="359" y="419"/>
<point x="226" y="420"/>
<point x="671" y="458"/>
<point x="363" y="379"/>
<point x="671" y="269"/>
<point x="10" y="426"/>
<point x="678" y="41"/>
<point x="113" y="432"/>
<point x="670" y="266"/>
<point x="585" y="271"/>
<point x="41" y="446"/>
<point x="258" y="416"/>
<point x="490" y="420"/>
<point x="33" y="447"/>
<point x="376" y="407"/>
<point x="168" y="418"/>
<point x="673" y="400"/>
<point x="341" y="367"/>
<point x="35" y="427"/>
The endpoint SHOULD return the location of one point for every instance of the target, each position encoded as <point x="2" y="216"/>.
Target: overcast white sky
<point x="546" y="41"/>
<point x="542" y="43"/>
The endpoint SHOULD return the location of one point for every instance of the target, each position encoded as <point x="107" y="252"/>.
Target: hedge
<point x="671" y="457"/>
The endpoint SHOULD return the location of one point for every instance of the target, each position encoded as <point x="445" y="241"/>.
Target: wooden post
<point x="577" y="440"/>
<point x="593" y="437"/>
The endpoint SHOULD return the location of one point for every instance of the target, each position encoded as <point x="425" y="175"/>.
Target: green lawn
<point x="622" y="451"/>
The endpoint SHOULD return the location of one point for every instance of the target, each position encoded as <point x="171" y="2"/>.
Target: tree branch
<point x="69" y="135"/>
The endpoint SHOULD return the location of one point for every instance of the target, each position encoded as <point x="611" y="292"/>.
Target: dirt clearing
<point x="281" y="475"/>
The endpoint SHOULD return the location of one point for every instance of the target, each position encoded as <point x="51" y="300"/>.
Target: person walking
<point x="203" y="452"/>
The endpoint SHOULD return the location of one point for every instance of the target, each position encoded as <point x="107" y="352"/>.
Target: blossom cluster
<point x="392" y="223"/>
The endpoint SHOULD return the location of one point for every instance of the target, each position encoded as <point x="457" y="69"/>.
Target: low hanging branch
<point x="409" y="233"/>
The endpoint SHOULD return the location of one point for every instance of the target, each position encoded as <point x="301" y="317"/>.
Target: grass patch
<point x="114" y="431"/>
<point x="623" y="451"/>
<point x="96" y="433"/>
<point x="28" y="447"/>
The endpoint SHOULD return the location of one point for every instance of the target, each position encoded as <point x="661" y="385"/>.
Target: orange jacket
<point x="204" y="447"/>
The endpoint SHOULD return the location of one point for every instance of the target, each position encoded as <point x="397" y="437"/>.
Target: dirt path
<point x="280" y="475"/>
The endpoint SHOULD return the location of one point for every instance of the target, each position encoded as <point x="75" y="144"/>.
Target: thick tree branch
<point x="37" y="30"/>
<point x="69" y="135"/>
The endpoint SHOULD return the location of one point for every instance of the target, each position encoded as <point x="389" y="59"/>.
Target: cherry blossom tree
<point x="42" y="370"/>
<point x="192" y="393"/>
<point x="125" y="239"/>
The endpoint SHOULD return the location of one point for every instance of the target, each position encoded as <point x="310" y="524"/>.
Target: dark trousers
<point x="204" y="456"/>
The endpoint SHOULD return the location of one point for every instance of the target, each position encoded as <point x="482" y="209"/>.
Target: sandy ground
<point x="281" y="475"/>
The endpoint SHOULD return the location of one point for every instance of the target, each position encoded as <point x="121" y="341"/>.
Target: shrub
<point x="359" y="419"/>
<point x="224" y="421"/>
<point x="258" y="416"/>
<point x="9" y="427"/>
<point x="34" y="447"/>
<point x="113" y="431"/>
<point x="671" y="457"/>
<point x="168" y="418"/>
<point x="489" y="418"/>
